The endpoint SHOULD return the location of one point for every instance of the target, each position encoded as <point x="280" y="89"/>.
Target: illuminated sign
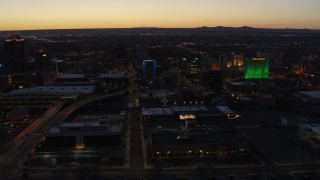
<point x="79" y="146"/>
<point x="187" y="116"/>
<point x="258" y="59"/>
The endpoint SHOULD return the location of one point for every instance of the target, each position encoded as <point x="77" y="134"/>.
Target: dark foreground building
<point x="14" y="55"/>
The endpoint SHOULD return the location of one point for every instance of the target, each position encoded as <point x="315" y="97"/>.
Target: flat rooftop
<point x="17" y="111"/>
<point x="216" y="138"/>
<point x="85" y="127"/>
<point x="156" y="111"/>
<point x="314" y="127"/>
<point x="311" y="94"/>
<point x="85" y="89"/>
<point x="113" y="74"/>
<point x="241" y="83"/>
<point x="71" y="76"/>
<point x="162" y="93"/>
<point x="224" y="109"/>
<point x="172" y="110"/>
<point x="240" y="96"/>
<point x="189" y="108"/>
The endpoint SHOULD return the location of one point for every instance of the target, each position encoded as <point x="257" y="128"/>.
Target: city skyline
<point x="103" y="102"/>
<point x="76" y="14"/>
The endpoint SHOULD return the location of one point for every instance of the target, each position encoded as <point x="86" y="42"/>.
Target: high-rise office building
<point x="119" y="52"/>
<point x="193" y="66"/>
<point x="1" y="66"/>
<point x="309" y="64"/>
<point x="149" y="69"/>
<point x="141" y="53"/>
<point x="14" y="55"/>
<point x="236" y="60"/>
<point x="275" y="58"/>
<point x="42" y="62"/>
<point x="228" y="59"/>
<point x="224" y="60"/>
<point x="213" y="81"/>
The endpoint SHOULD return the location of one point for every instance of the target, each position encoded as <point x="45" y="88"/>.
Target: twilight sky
<point x="65" y="14"/>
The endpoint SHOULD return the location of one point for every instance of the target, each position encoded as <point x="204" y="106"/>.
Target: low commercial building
<point x="306" y="102"/>
<point x="170" y="113"/>
<point x="220" y="145"/>
<point x="177" y="113"/>
<point x="310" y="131"/>
<point x="18" y="114"/>
<point x="84" y="134"/>
<point x="63" y="78"/>
<point x="310" y="97"/>
<point x="241" y="99"/>
<point x="246" y="87"/>
<point x="149" y="114"/>
<point x="114" y="79"/>
<point x="45" y="96"/>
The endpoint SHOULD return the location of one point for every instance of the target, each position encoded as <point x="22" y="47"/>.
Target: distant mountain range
<point x="252" y="29"/>
<point x="219" y="30"/>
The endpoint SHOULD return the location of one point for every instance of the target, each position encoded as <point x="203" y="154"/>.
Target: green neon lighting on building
<point x="257" y="68"/>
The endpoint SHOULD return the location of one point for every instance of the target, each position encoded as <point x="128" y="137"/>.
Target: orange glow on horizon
<point x="75" y="14"/>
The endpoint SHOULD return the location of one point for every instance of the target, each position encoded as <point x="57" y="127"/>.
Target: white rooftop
<point x="311" y="94"/>
<point x="314" y="127"/>
<point x="224" y="109"/>
<point x="56" y="60"/>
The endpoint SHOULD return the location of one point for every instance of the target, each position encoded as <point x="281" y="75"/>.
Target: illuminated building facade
<point x="257" y="68"/>
<point x="224" y="60"/>
<point x="309" y="64"/>
<point x="218" y="145"/>
<point x="14" y="55"/>
<point x="237" y="60"/>
<point x="310" y="131"/>
<point x="228" y="59"/>
<point x="149" y="69"/>
<point x="193" y="66"/>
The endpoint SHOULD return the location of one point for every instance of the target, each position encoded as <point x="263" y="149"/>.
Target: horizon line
<point x="154" y="27"/>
